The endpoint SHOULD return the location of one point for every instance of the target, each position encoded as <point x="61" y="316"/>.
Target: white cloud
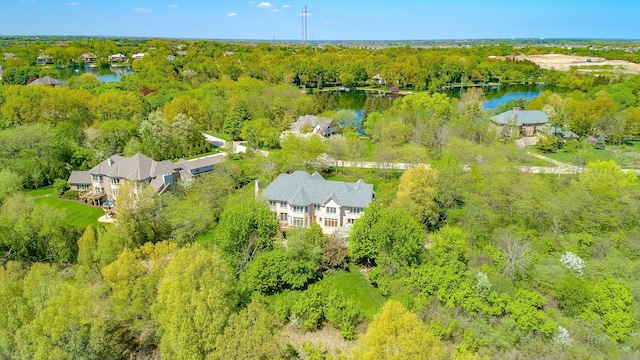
<point x="173" y="6"/>
<point x="72" y="3"/>
<point x="231" y="14"/>
<point x="285" y="6"/>
<point x="253" y="2"/>
<point x="141" y="10"/>
<point x="275" y="10"/>
<point x="264" y="5"/>
<point x="303" y="14"/>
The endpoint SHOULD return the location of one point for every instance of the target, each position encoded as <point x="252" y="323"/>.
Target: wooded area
<point x="467" y="258"/>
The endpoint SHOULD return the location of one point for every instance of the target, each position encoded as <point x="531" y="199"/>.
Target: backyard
<point x="77" y="214"/>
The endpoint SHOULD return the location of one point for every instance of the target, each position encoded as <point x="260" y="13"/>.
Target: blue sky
<point x="327" y="19"/>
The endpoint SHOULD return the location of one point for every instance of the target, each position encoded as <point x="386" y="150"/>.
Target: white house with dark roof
<point x="527" y="122"/>
<point x="104" y="180"/>
<point x="299" y="199"/>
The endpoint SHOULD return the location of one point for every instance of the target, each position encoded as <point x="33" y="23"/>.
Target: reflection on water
<point x="355" y="99"/>
<point x="500" y="95"/>
<point x="104" y="73"/>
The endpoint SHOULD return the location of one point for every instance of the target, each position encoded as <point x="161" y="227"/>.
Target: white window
<point x="283" y="204"/>
<point x="298" y="221"/>
<point x="98" y="189"/>
<point x="83" y="187"/>
<point x="331" y="222"/>
<point x="114" y="180"/>
<point x="351" y="221"/>
<point x="298" y="209"/>
<point x="283" y="216"/>
<point x="331" y="210"/>
<point x="272" y="203"/>
<point x="114" y="192"/>
<point x="316" y="207"/>
<point x="355" y="210"/>
<point x="97" y="177"/>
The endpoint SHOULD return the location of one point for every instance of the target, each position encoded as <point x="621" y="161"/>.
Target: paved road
<point x="237" y="147"/>
<point x="560" y="168"/>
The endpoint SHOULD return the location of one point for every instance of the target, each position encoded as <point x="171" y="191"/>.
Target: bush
<point x="319" y="303"/>
<point x="71" y="194"/>
<point x="60" y="186"/>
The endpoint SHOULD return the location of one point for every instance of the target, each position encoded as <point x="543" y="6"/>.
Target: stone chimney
<point x="258" y="188"/>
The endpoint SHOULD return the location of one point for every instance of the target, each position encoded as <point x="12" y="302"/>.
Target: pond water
<point x="355" y="99"/>
<point x="500" y="95"/>
<point x="104" y="74"/>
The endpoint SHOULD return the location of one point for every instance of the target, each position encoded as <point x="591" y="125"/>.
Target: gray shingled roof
<point x="521" y="117"/>
<point x="80" y="177"/>
<point x="303" y="189"/>
<point x="47" y="80"/>
<point x="312" y="120"/>
<point x="201" y="162"/>
<point x="138" y="167"/>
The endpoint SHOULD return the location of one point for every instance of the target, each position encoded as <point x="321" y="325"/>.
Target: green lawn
<point x="356" y="287"/>
<point x="78" y="214"/>
<point x="370" y="176"/>
<point x="352" y="284"/>
<point x="603" y="155"/>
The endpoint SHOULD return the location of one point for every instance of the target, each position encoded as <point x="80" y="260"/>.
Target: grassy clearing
<point x="595" y="155"/>
<point x="77" y="214"/>
<point x="356" y="287"/>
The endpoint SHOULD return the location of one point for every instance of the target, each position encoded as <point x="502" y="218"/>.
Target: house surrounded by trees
<point x="299" y="199"/>
<point x="103" y="181"/>
<point x="525" y="122"/>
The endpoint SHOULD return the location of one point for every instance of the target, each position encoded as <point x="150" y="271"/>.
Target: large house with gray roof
<point x="102" y="183"/>
<point x="299" y="199"/>
<point x="525" y="122"/>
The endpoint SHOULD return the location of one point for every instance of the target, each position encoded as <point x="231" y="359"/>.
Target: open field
<point x="78" y="214"/>
<point x="583" y="64"/>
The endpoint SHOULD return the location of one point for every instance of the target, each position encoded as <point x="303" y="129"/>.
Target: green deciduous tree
<point x="249" y="334"/>
<point x="245" y="229"/>
<point x="195" y="300"/>
<point x="396" y="333"/>
<point x="416" y="193"/>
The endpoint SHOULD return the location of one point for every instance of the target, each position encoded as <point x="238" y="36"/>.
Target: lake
<point x="104" y="74"/>
<point x="355" y="99"/>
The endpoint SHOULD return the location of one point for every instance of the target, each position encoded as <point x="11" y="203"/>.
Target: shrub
<point x="71" y="194"/>
<point x="60" y="186"/>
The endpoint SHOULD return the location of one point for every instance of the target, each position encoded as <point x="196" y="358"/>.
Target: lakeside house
<point x="299" y="199"/>
<point x="378" y="80"/>
<point x="117" y="58"/>
<point x="311" y="124"/>
<point x="44" y="60"/>
<point x="525" y="122"/>
<point x="88" y="58"/>
<point x="101" y="183"/>
<point x="138" y="56"/>
<point x="8" y="56"/>
<point x="47" y="80"/>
